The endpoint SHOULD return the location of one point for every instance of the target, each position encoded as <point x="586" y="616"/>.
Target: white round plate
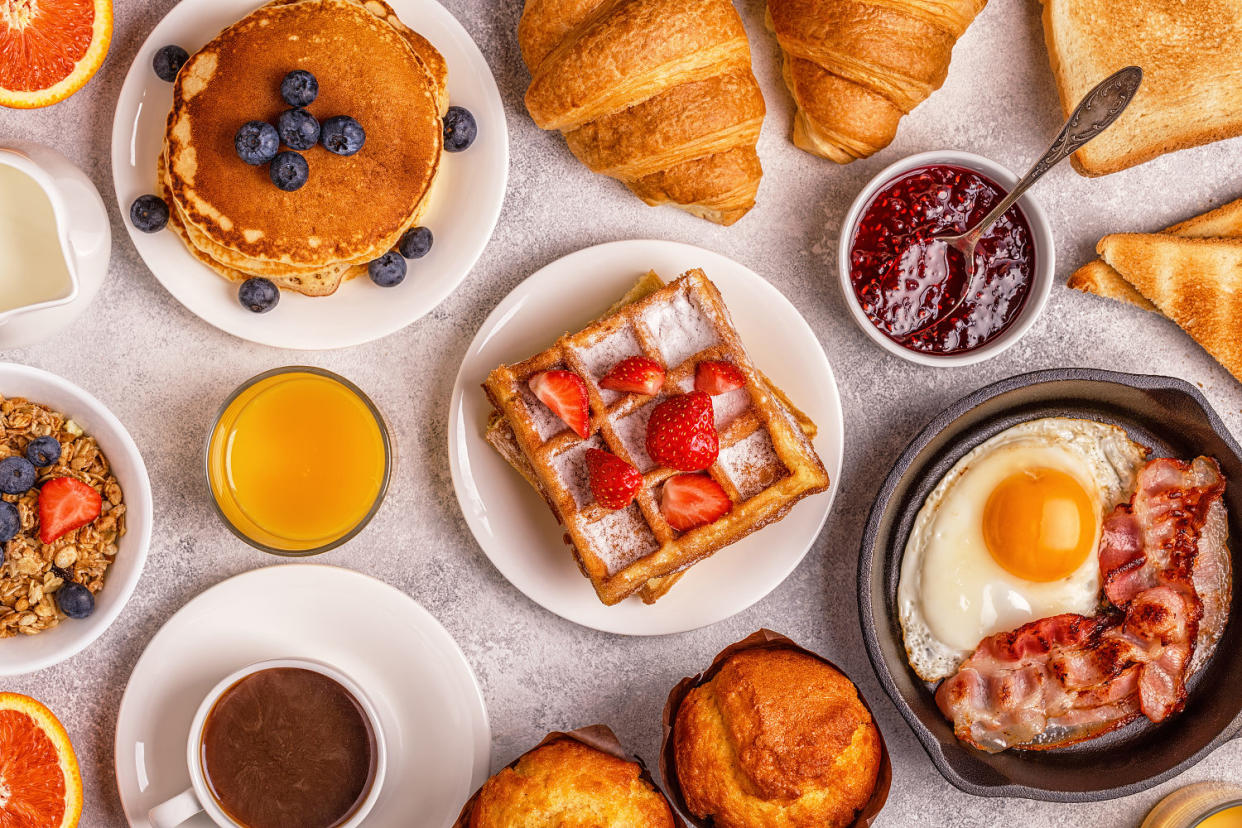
<point x="462" y="215"/>
<point x="428" y="701"/>
<point x="514" y="525"/>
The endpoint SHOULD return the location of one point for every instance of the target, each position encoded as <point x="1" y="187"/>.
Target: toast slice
<point x="1191" y="60"/>
<point x="1099" y="278"/>
<point x="1195" y="282"/>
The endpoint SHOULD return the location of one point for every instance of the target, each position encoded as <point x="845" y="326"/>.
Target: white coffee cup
<point x="198" y="798"/>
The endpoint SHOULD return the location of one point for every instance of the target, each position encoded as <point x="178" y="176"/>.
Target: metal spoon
<point x="1102" y="105"/>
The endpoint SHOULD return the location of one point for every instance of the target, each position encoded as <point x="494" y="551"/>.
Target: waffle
<point x="766" y="462"/>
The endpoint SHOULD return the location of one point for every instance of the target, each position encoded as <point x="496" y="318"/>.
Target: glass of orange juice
<point x="298" y="461"/>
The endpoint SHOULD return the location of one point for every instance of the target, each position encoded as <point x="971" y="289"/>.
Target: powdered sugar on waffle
<point x="752" y="464"/>
<point x="600" y="357"/>
<point x="680" y="327"/>
<point x="622" y="537"/>
<point x="632" y="431"/>
<point x="547" y="424"/>
<point x="571" y="468"/>
<point x="725" y="407"/>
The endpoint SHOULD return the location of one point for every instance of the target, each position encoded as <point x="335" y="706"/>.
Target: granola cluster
<point x="32" y="571"/>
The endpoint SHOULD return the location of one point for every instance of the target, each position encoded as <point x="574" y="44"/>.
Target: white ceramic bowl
<point x="27" y="653"/>
<point x="1045" y="258"/>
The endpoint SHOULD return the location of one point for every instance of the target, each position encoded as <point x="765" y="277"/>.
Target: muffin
<point x="567" y="784"/>
<point x="775" y="738"/>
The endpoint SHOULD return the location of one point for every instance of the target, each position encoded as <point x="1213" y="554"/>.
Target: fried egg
<point x="1011" y="534"/>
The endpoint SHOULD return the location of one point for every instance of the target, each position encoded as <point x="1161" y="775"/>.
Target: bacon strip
<point x="1063" y="679"/>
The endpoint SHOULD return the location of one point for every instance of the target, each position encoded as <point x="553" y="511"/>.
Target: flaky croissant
<point x="855" y="67"/>
<point x="656" y="93"/>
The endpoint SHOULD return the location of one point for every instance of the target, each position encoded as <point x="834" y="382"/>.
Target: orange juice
<point x="1228" y="818"/>
<point x="297" y="460"/>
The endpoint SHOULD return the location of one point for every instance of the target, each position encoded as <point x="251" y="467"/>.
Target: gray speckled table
<point x="539" y="672"/>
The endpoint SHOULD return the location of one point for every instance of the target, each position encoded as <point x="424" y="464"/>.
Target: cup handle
<point x="176" y="810"/>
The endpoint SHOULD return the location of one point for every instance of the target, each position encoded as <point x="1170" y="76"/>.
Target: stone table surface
<point x="539" y="672"/>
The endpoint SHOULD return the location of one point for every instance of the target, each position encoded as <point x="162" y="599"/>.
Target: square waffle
<point x="766" y="461"/>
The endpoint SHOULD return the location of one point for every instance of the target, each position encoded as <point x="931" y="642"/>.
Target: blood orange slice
<point x="50" y="48"/>
<point x="40" y="785"/>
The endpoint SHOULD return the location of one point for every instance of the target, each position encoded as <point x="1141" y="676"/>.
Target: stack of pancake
<point x="352" y="209"/>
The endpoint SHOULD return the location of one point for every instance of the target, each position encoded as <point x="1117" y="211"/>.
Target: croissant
<point x="658" y="94"/>
<point x="855" y="67"/>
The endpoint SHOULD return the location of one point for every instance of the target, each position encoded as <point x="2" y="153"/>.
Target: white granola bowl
<point x="28" y="653"/>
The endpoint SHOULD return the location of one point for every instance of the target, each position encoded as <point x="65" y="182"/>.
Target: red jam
<point x="905" y="281"/>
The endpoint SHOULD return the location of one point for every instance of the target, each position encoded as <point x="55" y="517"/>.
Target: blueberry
<point x="299" y="88"/>
<point x="298" y="129"/>
<point x="388" y="270"/>
<point x="168" y="62"/>
<point x="75" y="600"/>
<point x="10" y="524"/>
<point x="17" y="475"/>
<point x="149" y="213"/>
<point x="460" y="130"/>
<point x="343" y="135"/>
<point x="43" y="451"/>
<point x="289" y="171"/>
<point x="257" y="142"/>
<point x="415" y="243"/>
<point x="258" y="294"/>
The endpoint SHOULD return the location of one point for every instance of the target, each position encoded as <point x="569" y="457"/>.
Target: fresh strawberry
<point x="614" y="482"/>
<point x="718" y="377"/>
<point x="691" y="500"/>
<point x="681" y="433"/>
<point x="635" y="375"/>
<point x="65" y="504"/>
<point x="565" y="393"/>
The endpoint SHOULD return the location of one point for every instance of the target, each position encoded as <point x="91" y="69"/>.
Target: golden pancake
<point x="352" y="208"/>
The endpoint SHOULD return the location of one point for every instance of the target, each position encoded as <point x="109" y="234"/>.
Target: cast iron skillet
<point x="1171" y="417"/>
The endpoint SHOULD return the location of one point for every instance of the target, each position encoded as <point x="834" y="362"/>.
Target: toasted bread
<point x="1191" y="61"/>
<point x="1098" y="278"/>
<point x="1195" y="282"/>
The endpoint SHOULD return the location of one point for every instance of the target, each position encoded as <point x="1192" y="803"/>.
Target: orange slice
<point x="40" y="785"/>
<point x="50" y="48"/>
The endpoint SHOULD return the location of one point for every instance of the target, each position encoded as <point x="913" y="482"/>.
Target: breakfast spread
<point x="773" y="736"/>
<point x="656" y="93"/>
<point x="1062" y="584"/>
<point x="1189" y="55"/>
<point x="855" y="69"/>
<point x="355" y="173"/>
<point x="61" y="514"/>
<point x="39" y="776"/>
<point x="50" y="50"/>
<point x="298" y="460"/>
<point x="288" y="746"/>
<point x="909" y="292"/>
<point x="583" y="777"/>
<point x="689" y="471"/>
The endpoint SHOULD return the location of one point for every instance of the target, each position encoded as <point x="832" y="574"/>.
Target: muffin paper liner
<point x="597" y="736"/>
<point x="763" y="639"/>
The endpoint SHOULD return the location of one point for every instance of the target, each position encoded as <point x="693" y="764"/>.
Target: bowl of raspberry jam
<point x="918" y="301"/>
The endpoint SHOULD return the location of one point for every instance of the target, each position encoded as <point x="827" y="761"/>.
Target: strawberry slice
<point x="691" y="500"/>
<point x="635" y="375"/>
<point x="565" y="393"/>
<point x="681" y="433"/>
<point x="614" y="482"/>
<point x="716" y="378"/>
<point x="65" y="504"/>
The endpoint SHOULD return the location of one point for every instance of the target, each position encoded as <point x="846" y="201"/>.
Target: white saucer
<point x="425" y="693"/>
<point x="511" y="521"/>
<point x="462" y="215"/>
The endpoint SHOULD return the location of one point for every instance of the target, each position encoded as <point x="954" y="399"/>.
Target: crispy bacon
<point x="1063" y="679"/>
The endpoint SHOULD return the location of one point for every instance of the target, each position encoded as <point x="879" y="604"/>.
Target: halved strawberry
<point x="691" y="500"/>
<point x="614" y="482"/>
<point x="681" y="433"/>
<point x="635" y="375"/>
<point x="714" y="378"/>
<point x="65" y="504"/>
<point x="565" y="393"/>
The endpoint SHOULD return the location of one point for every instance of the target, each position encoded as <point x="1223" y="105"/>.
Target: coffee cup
<point x="279" y="694"/>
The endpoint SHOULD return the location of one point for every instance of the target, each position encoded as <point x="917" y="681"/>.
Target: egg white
<point x="952" y="594"/>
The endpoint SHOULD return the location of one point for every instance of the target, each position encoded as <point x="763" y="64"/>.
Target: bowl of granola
<point x="75" y="518"/>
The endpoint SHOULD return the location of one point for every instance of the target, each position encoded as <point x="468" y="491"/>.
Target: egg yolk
<point x="1040" y="524"/>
